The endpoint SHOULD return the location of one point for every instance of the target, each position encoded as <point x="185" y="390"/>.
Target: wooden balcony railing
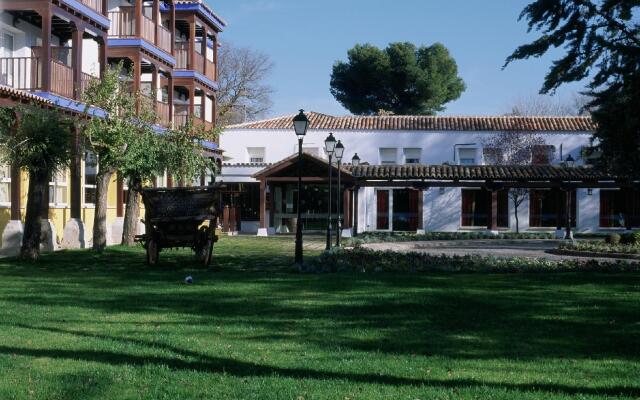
<point x="85" y="81"/>
<point x="180" y="115"/>
<point x="61" y="79"/>
<point x="122" y="22"/>
<point x="199" y="62"/>
<point x="164" y="39"/>
<point x="24" y="73"/>
<point x="182" y="55"/>
<point x="211" y="70"/>
<point x="94" y="4"/>
<point x="164" y="113"/>
<point x="148" y="30"/>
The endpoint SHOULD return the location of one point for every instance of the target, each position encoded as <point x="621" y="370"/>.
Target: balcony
<point x="123" y="24"/>
<point x="25" y="73"/>
<point x="182" y="61"/>
<point x="95" y="5"/>
<point x="164" y="112"/>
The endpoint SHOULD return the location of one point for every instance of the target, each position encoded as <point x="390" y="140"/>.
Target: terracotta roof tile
<point x="429" y="123"/>
<point x="6" y="91"/>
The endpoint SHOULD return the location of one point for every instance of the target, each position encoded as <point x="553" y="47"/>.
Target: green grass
<point x="82" y="326"/>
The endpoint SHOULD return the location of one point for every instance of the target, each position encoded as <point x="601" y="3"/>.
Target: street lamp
<point x="570" y="161"/>
<point x="300" y="126"/>
<point x="339" y="151"/>
<point x="355" y="161"/>
<point x="329" y="148"/>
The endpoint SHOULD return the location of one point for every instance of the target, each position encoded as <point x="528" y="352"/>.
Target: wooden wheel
<point x="205" y="246"/>
<point x="153" y="251"/>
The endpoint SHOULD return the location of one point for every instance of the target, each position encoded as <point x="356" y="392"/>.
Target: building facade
<point x="421" y="174"/>
<point x="49" y="52"/>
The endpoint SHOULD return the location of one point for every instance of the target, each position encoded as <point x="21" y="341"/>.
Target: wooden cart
<point x="177" y="218"/>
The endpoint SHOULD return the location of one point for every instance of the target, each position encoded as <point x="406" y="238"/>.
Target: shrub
<point x="613" y="238"/>
<point x="600" y="247"/>
<point x="380" y="237"/>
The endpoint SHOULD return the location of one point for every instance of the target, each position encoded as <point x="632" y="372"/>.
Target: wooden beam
<point x="15" y="192"/>
<point x="76" y="175"/>
<point x="76" y="51"/>
<point x="493" y="211"/>
<point x="263" y="203"/>
<point x="45" y="62"/>
<point x="138" y="18"/>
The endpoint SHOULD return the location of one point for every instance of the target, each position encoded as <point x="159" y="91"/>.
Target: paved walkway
<point x="494" y="247"/>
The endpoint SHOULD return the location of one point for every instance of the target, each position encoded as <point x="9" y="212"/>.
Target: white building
<point x="421" y="174"/>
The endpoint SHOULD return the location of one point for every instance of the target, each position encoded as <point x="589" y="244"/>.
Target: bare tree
<point x="541" y="105"/>
<point x="513" y="148"/>
<point x="242" y="94"/>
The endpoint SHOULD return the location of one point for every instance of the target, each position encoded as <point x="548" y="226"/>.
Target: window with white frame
<point x="256" y="154"/>
<point x="467" y="156"/>
<point x="388" y="156"/>
<point x="58" y="189"/>
<point x="412" y="155"/>
<point x="5" y="185"/>
<point x="90" y="173"/>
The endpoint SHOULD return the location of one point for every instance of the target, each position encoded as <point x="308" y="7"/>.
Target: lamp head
<point x="300" y="124"/>
<point x="330" y="144"/>
<point x="355" y="160"/>
<point x="339" y="150"/>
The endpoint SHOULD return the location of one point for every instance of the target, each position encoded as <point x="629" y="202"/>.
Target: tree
<point x="512" y="148"/>
<point x="108" y="137"/>
<point x="541" y="105"/>
<point x="402" y="79"/>
<point x="242" y="93"/>
<point x="601" y="40"/>
<point x="38" y="141"/>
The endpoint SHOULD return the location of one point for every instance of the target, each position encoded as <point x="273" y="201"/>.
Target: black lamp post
<point x="570" y="162"/>
<point x="339" y="151"/>
<point x="300" y="125"/>
<point x="355" y="162"/>
<point x="329" y="148"/>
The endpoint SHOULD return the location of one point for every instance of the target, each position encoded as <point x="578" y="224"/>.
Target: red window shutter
<point x="382" y="220"/>
<point x="468" y="198"/>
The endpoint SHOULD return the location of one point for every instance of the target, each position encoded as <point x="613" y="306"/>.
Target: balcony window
<point x="5" y="185"/>
<point x="58" y="189"/>
<point x="256" y="154"/>
<point x="412" y="155"/>
<point x="388" y="156"/>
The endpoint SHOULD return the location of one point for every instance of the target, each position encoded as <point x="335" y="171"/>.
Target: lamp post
<point x="300" y="126"/>
<point x="329" y="148"/>
<point x="570" y="162"/>
<point x="355" y="162"/>
<point x="339" y="151"/>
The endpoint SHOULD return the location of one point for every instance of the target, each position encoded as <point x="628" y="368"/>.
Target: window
<point x="476" y="208"/>
<point x="492" y="155"/>
<point x="614" y="208"/>
<point x="406" y="204"/>
<point x="6" y="50"/>
<point x="90" y="172"/>
<point x="547" y="209"/>
<point x="58" y="189"/>
<point x="5" y="184"/>
<point x="388" y="156"/>
<point x="412" y="156"/>
<point x="256" y="154"/>
<point x="467" y="156"/>
<point x="542" y="154"/>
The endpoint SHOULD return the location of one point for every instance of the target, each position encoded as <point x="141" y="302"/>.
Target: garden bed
<point x="377" y="237"/>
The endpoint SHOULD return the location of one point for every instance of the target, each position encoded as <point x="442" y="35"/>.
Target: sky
<point x="305" y="38"/>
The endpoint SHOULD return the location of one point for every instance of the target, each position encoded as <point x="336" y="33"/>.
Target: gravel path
<point x="496" y="248"/>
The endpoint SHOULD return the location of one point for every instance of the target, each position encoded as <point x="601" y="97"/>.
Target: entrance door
<point x="382" y="203"/>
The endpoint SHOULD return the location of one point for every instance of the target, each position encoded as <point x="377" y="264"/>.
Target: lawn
<point x="82" y="326"/>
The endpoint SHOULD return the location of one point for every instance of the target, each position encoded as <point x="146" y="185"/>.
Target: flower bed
<point x="377" y="237"/>
<point x="367" y="260"/>
<point x="600" y="248"/>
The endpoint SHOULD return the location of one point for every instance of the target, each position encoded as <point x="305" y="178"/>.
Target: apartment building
<point x="51" y="49"/>
<point x="421" y="173"/>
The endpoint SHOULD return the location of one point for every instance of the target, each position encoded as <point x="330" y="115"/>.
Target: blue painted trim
<point x="195" y="75"/>
<point x="208" y="145"/>
<point x="208" y="15"/>
<point x="89" y="12"/>
<point x="210" y="43"/>
<point x="72" y="105"/>
<point x="164" y="7"/>
<point x="128" y="42"/>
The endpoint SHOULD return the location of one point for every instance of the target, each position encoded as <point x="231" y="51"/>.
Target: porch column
<point x="46" y="49"/>
<point x="138" y="18"/>
<point x="263" y="204"/>
<point x="355" y="210"/>
<point x="156" y="20"/>
<point x="102" y="54"/>
<point x="172" y="23"/>
<point x="192" y="102"/>
<point x="170" y="99"/>
<point x="421" y="210"/>
<point x="169" y="180"/>
<point x="559" y="201"/>
<point x="15" y="193"/>
<point x="203" y="108"/>
<point x="567" y="214"/>
<point x="192" y="44"/>
<point x="76" y="176"/>
<point x="76" y="43"/>
<point x="154" y="87"/>
<point x="346" y="207"/>
<point x="493" y="211"/>
<point x="205" y="37"/>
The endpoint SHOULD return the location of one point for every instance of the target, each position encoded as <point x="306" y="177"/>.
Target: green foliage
<point x="601" y="40"/>
<point x="602" y="247"/>
<point x="108" y="137"/>
<point x="613" y="238"/>
<point x="182" y="153"/>
<point x="39" y="143"/>
<point x="401" y="79"/>
<point x="375" y="237"/>
<point x="367" y="260"/>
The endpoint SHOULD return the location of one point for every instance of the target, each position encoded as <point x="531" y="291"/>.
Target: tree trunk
<point x="515" y="208"/>
<point x="132" y="213"/>
<point x="38" y="186"/>
<point x="100" y="219"/>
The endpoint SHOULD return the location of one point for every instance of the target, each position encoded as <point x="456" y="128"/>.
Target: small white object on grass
<point x="188" y="280"/>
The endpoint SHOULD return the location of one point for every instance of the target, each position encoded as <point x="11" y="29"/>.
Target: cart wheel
<point x="152" y="252"/>
<point x="205" y="248"/>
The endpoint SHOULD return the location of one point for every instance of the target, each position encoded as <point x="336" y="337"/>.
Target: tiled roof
<point x="6" y="91"/>
<point x="477" y="172"/>
<point x="206" y="7"/>
<point x="429" y="123"/>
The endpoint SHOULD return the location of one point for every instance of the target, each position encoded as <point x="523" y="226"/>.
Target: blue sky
<point x="304" y="38"/>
